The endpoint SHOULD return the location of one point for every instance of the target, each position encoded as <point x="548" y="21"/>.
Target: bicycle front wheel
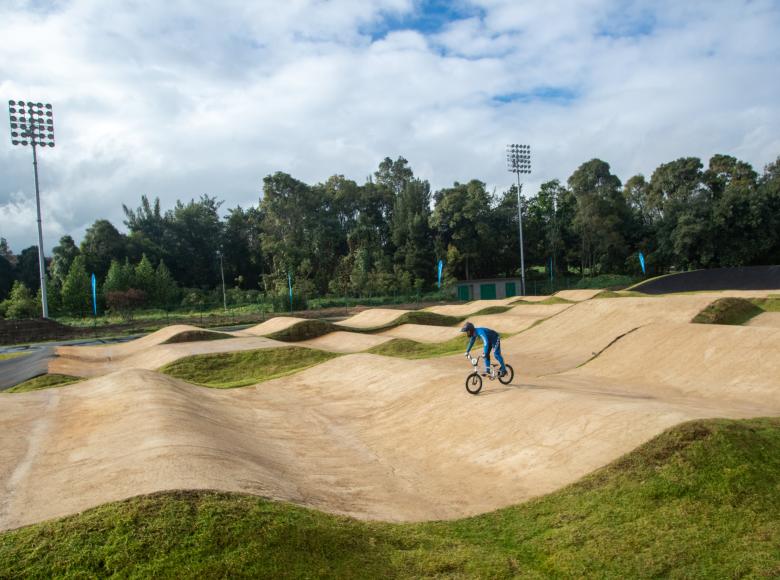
<point x="474" y="383"/>
<point x="507" y="378"/>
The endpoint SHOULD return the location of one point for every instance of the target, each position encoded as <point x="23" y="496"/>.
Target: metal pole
<point x="522" y="253"/>
<point x="222" y="271"/>
<point x="41" y="261"/>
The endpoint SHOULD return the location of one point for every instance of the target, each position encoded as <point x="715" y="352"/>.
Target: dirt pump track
<point x="383" y="438"/>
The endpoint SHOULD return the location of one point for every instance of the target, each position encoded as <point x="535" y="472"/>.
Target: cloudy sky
<point x="176" y="99"/>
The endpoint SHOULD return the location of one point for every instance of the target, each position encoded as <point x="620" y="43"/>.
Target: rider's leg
<point x="499" y="358"/>
<point x="488" y="348"/>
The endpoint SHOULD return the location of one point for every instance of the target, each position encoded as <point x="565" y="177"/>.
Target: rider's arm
<point x="471" y="343"/>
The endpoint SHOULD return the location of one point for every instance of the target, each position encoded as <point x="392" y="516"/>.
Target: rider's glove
<point x="467" y="355"/>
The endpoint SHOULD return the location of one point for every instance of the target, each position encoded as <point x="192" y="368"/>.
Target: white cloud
<point x="177" y="99"/>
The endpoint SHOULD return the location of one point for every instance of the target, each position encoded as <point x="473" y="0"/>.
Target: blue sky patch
<point x="557" y="95"/>
<point x="428" y="17"/>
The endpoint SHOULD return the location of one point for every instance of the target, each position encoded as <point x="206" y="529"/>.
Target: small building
<point x="489" y="288"/>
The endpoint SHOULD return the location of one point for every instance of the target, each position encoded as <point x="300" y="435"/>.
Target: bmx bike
<point x="474" y="380"/>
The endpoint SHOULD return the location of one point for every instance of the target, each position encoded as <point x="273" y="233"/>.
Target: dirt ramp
<point x="519" y="318"/>
<point x="705" y="361"/>
<point x="273" y="325"/>
<point x="469" y="308"/>
<point x="578" y="333"/>
<point x="362" y="435"/>
<point x="422" y="333"/>
<point x="125" y="349"/>
<point x="373" y="318"/>
<point x="578" y="295"/>
<point x="153" y="357"/>
<point x="346" y="342"/>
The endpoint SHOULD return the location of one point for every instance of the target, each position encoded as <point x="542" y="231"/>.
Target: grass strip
<point x="304" y="330"/>
<point x="10" y="355"/>
<point x="239" y="369"/>
<point x="732" y="311"/>
<point x="550" y="300"/>
<point x="411" y="349"/>
<point x="43" y="382"/>
<point x="197" y="336"/>
<point x="698" y="501"/>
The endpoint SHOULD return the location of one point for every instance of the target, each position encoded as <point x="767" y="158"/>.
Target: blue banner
<point x="642" y="262"/>
<point x="441" y="267"/>
<point x="94" y="294"/>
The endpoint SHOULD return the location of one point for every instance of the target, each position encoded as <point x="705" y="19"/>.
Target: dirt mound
<point x="468" y="308"/>
<point x="422" y="332"/>
<point x="81" y="362"/>
<point x="580" y="332"/>
<point x="373" y="317"/>
<point x="122" y="350"/>
<point x="737" y="363"/>
<point x="342" y="341"/>
<point x="273" y="325"/>
<point x="578" y="295"/>
<point x="519" y="318"/>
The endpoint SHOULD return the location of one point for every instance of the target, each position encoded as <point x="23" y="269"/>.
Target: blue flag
<point x="441" y="267"/>
<point x="94" y="294"/>
<point x="642" y="262"/>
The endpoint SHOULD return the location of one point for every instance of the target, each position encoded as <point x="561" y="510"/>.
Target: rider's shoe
<point x="502" y="373"/>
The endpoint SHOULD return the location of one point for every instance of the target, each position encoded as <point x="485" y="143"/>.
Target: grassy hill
<point x="700" y="500"/>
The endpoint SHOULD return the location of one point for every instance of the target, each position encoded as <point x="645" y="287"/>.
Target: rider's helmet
<point x="468" y="328"/>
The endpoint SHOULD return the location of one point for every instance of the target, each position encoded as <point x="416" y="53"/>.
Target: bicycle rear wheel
<point x="474" y="383"/>
<point x="507" y="378"/>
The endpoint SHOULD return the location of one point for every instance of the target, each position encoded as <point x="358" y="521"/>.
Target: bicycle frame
<point x="493" y="366"/>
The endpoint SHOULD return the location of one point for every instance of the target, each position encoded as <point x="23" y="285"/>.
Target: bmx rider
<point x="490" y="340"/>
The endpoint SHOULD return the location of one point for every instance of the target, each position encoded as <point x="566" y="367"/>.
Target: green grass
<point x="304" y="330"/>
<point x="698" y="501"/>
<point x="419" y="317"/>
<point x="403" y="348"/>
<point x="622" y="294"/>
<point x="43" y="382"/>
<point x="550" y="300"/>
<point x="239" y="369"/>
<point x="727" y="311"/>
<point x="770" y="304"/>
<point x="10" y="355"/>
<point x="197" y="336"/>
<point x="489" y="310"/>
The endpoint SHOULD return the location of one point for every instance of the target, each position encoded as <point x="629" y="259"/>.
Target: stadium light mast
<point x="518" y="160"/>
<point x="222" y="271"/>
<point x="33" y="124"/>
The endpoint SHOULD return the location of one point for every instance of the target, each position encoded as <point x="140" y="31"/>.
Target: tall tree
<point x="62" y="257"/>
<point x="149" y="230"/>
<point x="462" y="219"/>
<point x="196" y="231"/>
<point x="77" y="290"/>
<point x="602" y="216"/>
<point x="27" y="268"/>
<point x="102" y="243"/>
<point x="682" y="202"/>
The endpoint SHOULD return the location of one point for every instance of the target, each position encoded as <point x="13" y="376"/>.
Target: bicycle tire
<point x="474" y="383"/>
<point x="507" y="378"/>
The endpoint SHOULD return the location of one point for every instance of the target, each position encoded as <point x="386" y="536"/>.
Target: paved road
<point x="18" y="370"/>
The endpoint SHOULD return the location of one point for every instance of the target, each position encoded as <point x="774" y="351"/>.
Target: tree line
<point x="386" y="235"/>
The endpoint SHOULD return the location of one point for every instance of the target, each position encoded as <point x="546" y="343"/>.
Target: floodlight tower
<point x="33" y="124"/>
<point x="518" y="160"/>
